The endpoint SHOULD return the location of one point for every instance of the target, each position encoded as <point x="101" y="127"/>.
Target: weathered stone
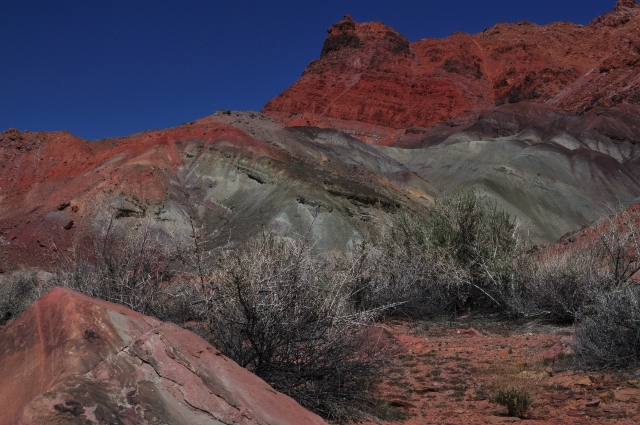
<point x="585" y="381"/>
<point x="73" y="359"/>
<point x="593" y="403"/>
<point x="627" y="394"/>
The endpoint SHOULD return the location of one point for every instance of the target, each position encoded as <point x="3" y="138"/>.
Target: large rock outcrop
<point x="233" y="174"/>
<point x="71" y="359"/>
<point x="237" y="174"/>
<point x="370" y="81"/>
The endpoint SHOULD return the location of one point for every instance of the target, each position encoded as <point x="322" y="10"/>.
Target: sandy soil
<point x="448" y="373"/>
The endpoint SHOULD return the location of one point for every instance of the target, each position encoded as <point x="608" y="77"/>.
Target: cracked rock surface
<point x="71" y="359"/>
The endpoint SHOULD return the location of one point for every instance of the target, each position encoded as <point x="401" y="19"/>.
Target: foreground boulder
<point x="71" y="359"/>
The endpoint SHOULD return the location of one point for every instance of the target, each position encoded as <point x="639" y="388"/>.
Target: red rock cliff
<point x="368" y="73"/>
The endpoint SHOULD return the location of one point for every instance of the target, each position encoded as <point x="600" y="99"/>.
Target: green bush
<point x="474" y="246"/>
<point x="460" y="254"/>
<point x="517" y="401"/>
<point x="387" y="412"/>
<point x="400" y="272"/>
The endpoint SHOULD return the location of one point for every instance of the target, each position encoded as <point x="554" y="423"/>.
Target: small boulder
<point x="585" y="381"/>
<point x="627" y="394"/>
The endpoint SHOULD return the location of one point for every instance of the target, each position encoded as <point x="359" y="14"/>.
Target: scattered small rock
<point x="627" y="394"/>
<point x="560" y="397"/>
<point x="593" y="403"/>
<point x="559" y="350"/>
<point x="471" y="331"/>
<point x="585" y="381"/>
<point x="429" y="389"/>
<point x="528" y="374"/>
<point x="617" y="412"/>
<point x="379" y="338"/>
<point x="402" y="403"/>
<point x="607" y="395"/>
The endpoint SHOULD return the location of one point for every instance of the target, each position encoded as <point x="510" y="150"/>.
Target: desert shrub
<point x="607" y="333"/>
<point x="556" y="284"/>
<point x="401" y="270"/>
<point x="460" y="254"/>
<point x="132" y="267"/>
<point x="289" y="318"/>
<point x="18" y="290"/>
<point x="474" y="246"/>
<point x="514" y="385"/>
<point x="387" y="412"/>
<point x="564" y="281"/>
<point x="516" y="400"/>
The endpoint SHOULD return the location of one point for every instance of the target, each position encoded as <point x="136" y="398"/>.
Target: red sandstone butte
<point x="372" y="81"/>
<point x="75" y="360"/>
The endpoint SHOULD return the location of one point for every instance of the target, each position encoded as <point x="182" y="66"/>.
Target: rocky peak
<point x="621" y="4"/>
<point x="349" y="34"/>
<point x="622" y="13"/>
<point x="340" y="36"/>
<point x="346" y="26"/>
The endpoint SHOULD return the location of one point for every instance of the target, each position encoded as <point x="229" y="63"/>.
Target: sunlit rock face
<point x="370" y="81"/>
<point x="71" y="359"/>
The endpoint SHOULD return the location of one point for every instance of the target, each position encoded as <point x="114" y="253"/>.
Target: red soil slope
<point x="371" y="80"/>
<point x="234" y="173"/>
<point x="52" y="184"/>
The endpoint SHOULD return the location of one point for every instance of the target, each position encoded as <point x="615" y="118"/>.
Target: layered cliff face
<point x="234" y="175"/>
<point x="370" y="81"/>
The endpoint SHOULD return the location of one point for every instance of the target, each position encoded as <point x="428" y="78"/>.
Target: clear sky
<point x="111" y="68"/>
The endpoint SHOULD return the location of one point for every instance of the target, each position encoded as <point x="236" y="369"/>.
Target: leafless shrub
<point x="132" y="267"/>
<point x="289" y="317"/>
<point x="18" y="290"/>
<point x="561" y="282"/>
<point x="618" y="245"/>
<point x="556" y="284"/>
<point x="608" y="332"/>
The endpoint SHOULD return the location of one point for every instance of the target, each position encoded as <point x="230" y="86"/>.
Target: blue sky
<point x="111" y="68"/>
